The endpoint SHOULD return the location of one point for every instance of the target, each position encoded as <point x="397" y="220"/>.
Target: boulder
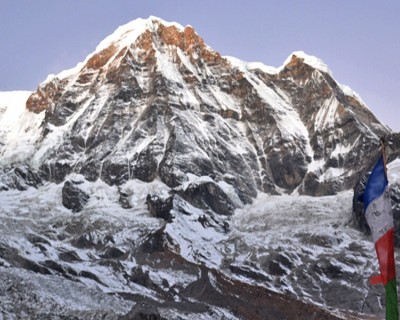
<point x="208" y="195"/>
<point x="73" y="197"/>
<point x="160" y="206"/>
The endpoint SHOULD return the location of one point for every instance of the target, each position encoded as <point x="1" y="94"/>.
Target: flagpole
<point x="390" y="287"/>
<point x="383" y="150"/>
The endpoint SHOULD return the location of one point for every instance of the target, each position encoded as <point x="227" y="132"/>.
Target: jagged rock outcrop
<point x="208" y="195"/>
<point x="19" y="177"/>
<point x="160" y="206"/>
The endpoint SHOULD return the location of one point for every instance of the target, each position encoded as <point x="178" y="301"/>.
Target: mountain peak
<point x="145" y="36"/>
<point x="128" y="33"/>
<point x="137" y="96"/>
<point x="151" y="42"/>
<point x="140" y="33"/>
<point x="300" y="57"/>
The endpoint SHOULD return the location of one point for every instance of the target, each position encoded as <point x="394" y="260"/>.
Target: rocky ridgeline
<point x="166" y="106"/>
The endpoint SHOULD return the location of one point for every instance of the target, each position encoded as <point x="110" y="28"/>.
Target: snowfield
<point x="54" y="261"/>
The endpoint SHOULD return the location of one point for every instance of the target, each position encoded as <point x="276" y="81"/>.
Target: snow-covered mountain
<point x="160" y="176"/>
<point x="154" y="101"/>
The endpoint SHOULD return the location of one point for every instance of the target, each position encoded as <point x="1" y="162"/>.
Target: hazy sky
<point x="358" y="39"/>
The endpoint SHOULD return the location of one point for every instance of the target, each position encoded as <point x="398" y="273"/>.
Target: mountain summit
<point x="154" y="101"/>
<point x="155" y="169"/>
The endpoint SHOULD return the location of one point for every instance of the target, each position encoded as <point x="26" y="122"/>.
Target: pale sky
<point x="358" y="39"/>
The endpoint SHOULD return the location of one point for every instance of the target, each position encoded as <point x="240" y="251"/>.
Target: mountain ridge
<point x="157" y="167"/>
<point x="181" y="73"/>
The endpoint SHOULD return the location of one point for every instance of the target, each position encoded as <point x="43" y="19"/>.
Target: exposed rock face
<point x="45" y="96"/>
<point x="358" y="214"/>
<point x="334" y="120"/>
<point x="160" y="207"/>
<point x="19" y="177"/>
<point x="208" y="195"/>
<point x="154" y="101"/>
<point x="73" y="197"/>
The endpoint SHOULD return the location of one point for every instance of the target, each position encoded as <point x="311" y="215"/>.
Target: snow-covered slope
<point x="19" y="128"/>
<point x="301" y="246"/>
